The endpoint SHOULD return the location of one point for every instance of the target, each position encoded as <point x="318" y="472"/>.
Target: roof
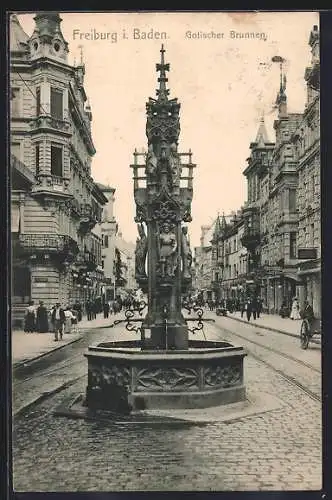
<point x="104" y="188"/>
<point x="21" y="170"/>
<point x="262" y="137"/>
<point x="98" y="193"/>
<point x="18" y="39"/>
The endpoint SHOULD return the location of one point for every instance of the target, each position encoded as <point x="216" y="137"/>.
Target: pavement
<point x="27" y="347"/>
<point x="271" y="322"/>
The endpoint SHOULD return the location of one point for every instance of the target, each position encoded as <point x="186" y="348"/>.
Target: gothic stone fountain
<point x="164" y="369"/>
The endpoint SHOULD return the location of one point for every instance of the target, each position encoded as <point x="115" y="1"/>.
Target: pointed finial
<point x="74" y="62"/>
<point x="162" y="92"/>
<point x="81" y="55"/>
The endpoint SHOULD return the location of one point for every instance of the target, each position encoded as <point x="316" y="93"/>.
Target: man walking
<point x="248" y="309"/>
<point x="58" y="319"/>
<point x="259" y="306"/>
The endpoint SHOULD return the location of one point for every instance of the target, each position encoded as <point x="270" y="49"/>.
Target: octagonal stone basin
<point x="122" y="376"/>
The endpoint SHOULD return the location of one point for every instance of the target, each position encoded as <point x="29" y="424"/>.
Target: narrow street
<point x="274" y="449"/>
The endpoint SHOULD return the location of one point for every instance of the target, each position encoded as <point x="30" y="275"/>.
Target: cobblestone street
<point x="274" y="450"/>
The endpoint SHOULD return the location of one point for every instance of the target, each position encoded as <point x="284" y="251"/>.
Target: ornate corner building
<point x="56" y="205"/>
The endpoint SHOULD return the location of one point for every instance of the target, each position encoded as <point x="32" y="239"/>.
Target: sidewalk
<point x="272" y="322"/>
<point x="29" y="346"/>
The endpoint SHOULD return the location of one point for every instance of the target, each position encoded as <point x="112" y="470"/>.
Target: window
<point x="106" y="241"/>
<point x="56" y="161"/>
<point x="292" y="200"/>
<point x="57" y="104"/>
<point x="38" y="101"/>
<point x="15" y="102"/>
<point x="313" y="185"/>
<point x="102" y="264"/>
<point x="292" y="245"/>
<point x="37" y="158"/>
<point x="15" y="149"/>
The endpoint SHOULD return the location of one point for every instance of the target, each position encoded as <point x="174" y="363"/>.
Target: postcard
<point x="166" y="251"/>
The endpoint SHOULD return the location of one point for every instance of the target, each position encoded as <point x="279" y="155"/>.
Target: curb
<point x="295" y="335"/>
<point x="42" y="355"/>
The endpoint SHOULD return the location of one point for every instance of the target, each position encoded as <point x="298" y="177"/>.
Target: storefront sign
<point x="307" y="253"/>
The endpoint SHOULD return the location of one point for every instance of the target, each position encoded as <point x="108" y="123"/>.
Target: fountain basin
<point x="124" y="377"/>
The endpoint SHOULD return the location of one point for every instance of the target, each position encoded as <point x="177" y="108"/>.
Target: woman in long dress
<point x="295" y="312"/>
<point x="68" y="322"/>
<point x="30" y="318"/>
<point x="42" y="318"/>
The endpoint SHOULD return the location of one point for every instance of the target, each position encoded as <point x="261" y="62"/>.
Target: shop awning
<point x="294" y="277"/>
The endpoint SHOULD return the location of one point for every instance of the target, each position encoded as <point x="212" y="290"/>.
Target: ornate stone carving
<point x="225" y="376"/>
<point x="165" y="211"/>
<point x="141" y="252"/>
<point x="151" y="163"/>
<point x="167" y="249"/>
<point x="104" y="375"/>
<point x="175" y="166"/>
<point x="186" y="254"/>
<point x="168" y="378"/>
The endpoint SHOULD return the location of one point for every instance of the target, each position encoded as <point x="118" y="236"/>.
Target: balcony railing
<point x="87" y="259"/>
<point x="52" y="183"/>
<point x="250" y="238"/>
<point x="48" y="243"/>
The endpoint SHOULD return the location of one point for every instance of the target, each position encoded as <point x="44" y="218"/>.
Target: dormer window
<point x="56" y="47"/>
<point x="35" y="46"/>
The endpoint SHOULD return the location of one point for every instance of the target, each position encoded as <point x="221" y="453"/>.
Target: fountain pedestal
<point x="207" y="374"/>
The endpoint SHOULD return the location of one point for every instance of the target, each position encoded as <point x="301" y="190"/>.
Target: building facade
<point x="109" y="229"/>
<point x="307" y="146"/>
<point x="280" y="221"/>
<point x="58" y="204"/>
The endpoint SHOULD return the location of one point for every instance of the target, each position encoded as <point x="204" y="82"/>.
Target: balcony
<point x="88" y="260"/>
<point x="48" y="123"/>
<point x="58" y="245"/>
<point x="88" y="218"/>
<point x="251" y="238"/>
<point x="48" y="184"/>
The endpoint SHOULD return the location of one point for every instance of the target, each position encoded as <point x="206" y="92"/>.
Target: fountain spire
<point x="162" y="67"/>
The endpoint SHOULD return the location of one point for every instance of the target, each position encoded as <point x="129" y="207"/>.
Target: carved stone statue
<point x="175" y="166"/>
<point x="141" y="251"/>
<point x="167" y="250"/>
<point x="186" y="253"/>
<point x="151" y="162"/>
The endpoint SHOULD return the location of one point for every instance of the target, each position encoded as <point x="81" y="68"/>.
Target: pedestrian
<point x="242" y="306"/>
<point x="41" y="318"/>
<point x="295" y="312"/>
<point x="30" y="318"/>
<point x="259" y="306"/>
<point x="58" y="320"/>
<point x="254" y="307"/>
<point x="88" y="307"/>
<point x="106" y="309"/>
<point x="308" y="312"/>
<point x="248" y="309"/>
<point x="69" y="316"/>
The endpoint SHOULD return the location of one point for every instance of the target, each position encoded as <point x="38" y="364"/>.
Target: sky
<point x="224" y="84"/>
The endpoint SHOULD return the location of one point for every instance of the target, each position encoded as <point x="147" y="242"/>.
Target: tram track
<point x="289" y="378"/>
